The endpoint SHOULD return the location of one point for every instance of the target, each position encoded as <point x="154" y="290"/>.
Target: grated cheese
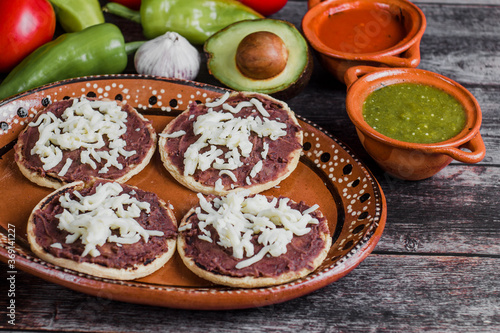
<point x="238" y="107"/>
<point x="185" y="227"/>
<point x="259" y="107"/>
<point x="218" y="185"/>
<point x="93" y="218"/>
<point x="84" y="125"/>
<point x="219" y="101"/>
<point x="256" y="169"/>
<point x="230" y="174"/>
<point x="224" y="129"/>
<point x="173" y="135"/>
<point x="265" y="150"/>
<point x="237" y="217"/>
<point x="65" y="168"/>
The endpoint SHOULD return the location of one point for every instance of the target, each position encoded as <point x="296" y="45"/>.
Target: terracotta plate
<point x="328" y="174"/>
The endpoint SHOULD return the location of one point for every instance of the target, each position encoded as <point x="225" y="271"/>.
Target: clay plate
<point x="328" y="174"/>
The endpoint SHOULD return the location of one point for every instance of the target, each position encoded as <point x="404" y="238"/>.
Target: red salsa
<point x="362" y="30"/>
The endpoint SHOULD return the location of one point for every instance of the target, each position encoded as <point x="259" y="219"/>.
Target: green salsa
<point x="415" y="113"/>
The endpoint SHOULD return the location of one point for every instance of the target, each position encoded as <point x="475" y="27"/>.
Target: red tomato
<point x="265" y="7"/>
<point x="24" y="26"/>
<point x="132" y="4"/>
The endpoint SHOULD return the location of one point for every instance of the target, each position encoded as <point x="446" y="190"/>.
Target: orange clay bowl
<point x="403" y="52"/>
<point x="413" y="161"/>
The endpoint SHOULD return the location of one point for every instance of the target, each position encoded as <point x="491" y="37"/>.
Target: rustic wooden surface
<point x="436" y="267"/>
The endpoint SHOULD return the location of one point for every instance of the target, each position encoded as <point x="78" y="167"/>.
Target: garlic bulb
<point x="169" y="55"/>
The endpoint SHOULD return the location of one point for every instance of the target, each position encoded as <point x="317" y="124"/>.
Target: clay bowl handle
<point x="476" y="147"/>
<point x="410" y="58"/>
<point x="353" y="74"/>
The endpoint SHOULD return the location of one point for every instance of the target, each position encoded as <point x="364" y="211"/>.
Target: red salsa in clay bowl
<point x="348" y="33"/>
<point x="413" y="122"/>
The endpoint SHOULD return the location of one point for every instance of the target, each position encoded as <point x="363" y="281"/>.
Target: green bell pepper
<point x="76" y="15"/>
<point x="99" y="49"/>
<point x="196" y="20"/>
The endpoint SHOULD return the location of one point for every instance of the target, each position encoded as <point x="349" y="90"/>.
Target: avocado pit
<point x="261" y="55"/>
<point x="232" y="64"/>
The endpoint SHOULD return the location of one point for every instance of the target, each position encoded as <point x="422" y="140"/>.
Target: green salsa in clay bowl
<point x="414" y="112"/>
<point x="413" y="122"/>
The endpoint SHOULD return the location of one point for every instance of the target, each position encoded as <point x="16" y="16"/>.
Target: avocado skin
<point x="290" y="90"/>
<point x="296" y="88"/>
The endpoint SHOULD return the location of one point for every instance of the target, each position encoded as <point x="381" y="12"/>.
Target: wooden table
<point x="436" y="267"/>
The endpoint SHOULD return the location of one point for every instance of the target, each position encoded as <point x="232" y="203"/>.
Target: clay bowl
<point x="413" y="161"/>
<point x="404" y="53"/>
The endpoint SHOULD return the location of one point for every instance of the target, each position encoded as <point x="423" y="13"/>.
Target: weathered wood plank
<point x="435" y="268"/>
<point x="455" y="211"/>
<point x="462" y="42"/>
<point x="388" y="293"/>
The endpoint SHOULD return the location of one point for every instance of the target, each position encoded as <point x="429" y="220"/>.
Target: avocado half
<point x="221" y="53"/>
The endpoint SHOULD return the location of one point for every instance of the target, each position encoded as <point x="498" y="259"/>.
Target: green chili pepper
<point x="196" y="20"/>
<point x="76" y="15"/>
<point x="99" y="49"/>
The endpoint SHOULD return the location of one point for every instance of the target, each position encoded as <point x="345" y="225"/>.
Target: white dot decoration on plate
<point x="338" y="168"/>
